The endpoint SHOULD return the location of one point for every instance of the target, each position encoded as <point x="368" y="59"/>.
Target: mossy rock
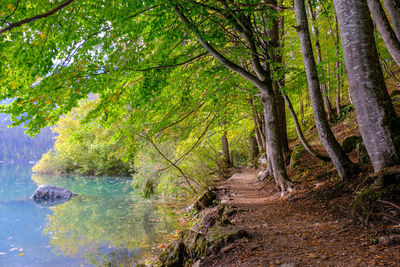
<point x="297" y="153"/>
<point x="195" y="244"/>
<point x="221" y="236"/>
<point x="205" y="200"/>
<point x="224" y="214"/>
<point x="174" y="255"/>
<point x="350" y="143"/>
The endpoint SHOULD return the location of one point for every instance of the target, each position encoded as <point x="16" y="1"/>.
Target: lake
<point x="107" y="224"/>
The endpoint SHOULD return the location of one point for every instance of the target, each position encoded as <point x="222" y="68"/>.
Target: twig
<point x="389" y="203"/>
<point x="172" y="163"/>
<point x="172" y="65"/>
<point x="34" y="18"/>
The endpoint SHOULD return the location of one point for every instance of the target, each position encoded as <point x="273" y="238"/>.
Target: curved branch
<point x="303" y="140"/>
<point x="170" y="66"/>
<point x="223" y="60"/>
<point x="172" y="163"/>
<point x="34" y="18"/>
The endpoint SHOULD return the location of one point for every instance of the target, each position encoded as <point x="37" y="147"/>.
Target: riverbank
<point x="311" y="226"/>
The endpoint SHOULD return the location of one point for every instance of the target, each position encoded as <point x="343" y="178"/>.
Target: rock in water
<point x="52" y="193"/>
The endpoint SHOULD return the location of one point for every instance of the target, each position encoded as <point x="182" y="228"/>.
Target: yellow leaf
<point x="42" y="35"/>
<point x="2" y="13"/>
<point x="10" y="7"/>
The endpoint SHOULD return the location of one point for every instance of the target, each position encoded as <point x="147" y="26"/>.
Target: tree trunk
<point x="262" y="80"/>
<point x="225" y="150"/>
<point x="275" y="53"/>
<point x="393" y="8"/>
<point x="299" y="132"/>
<point x="274" y="150"/>
<point x="315" y="30"/>
<point x="301" y="108"/>
<point x="281" y="112"/>
<point x="338" y="89"/>
<point x="258" y="128"/>
<point x="377" y="120"/>
<point x="343" y="165"/>
<point x="386" y="31"/>
<point x="253" y="147"/>
<point x="337" y="68"/>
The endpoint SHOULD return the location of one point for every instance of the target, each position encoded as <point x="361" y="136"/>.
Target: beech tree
<point x="342" y="163"/>
<point x="379" y="125"/>
<point x="391" y="41"/>
<point x="393" y="8"/>
<point x="241" y="21"/>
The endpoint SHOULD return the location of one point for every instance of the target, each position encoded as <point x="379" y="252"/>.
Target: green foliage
<point x="154" y="81"/>
<point x="87" y="149"/>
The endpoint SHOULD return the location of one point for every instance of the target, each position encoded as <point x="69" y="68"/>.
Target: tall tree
<point x="241" y="22"/>
<point x="315" y="30"/>
<point x="393" y="8"/>
<point x="275" y="29"/>
<point x="343" y="165"/>
<point x="379" y="125"/>
<point x="389" y="37"/>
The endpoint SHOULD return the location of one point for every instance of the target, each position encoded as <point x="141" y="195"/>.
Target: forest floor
<point x="313" y="225"/>
<point x="309" y="227"/>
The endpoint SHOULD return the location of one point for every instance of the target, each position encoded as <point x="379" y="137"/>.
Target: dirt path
<point x="295" y="231"/>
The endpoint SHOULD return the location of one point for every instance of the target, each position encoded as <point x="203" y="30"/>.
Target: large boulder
<point x="52" y="193"/>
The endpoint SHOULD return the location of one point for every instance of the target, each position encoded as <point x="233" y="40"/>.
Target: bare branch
<point x="34" y="18"/>
<point x="170" y="66"/>
<point x="15" y="9"/>
<point x="143" y="11"/>
<point x="172" y="163"/>
<point x="223" y="60"/>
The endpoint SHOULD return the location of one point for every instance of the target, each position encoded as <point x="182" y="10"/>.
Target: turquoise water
<point x="107" y="223"/>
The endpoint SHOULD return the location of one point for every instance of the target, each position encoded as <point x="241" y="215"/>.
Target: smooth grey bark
<point x="253" y="147"/>
<point x="393" y="9"/>
<point x="225" y="150"/>
<point x="385" y="29"/>
<point x="344" y="166"/>
<point x="258" y="127"/>
<point x="327" y="103"/>
<point x="337" y="69"/>
<point x="262" y="80"/>
<point x="379" y="125"/>
<point x="274" y="45"/>
<point x="301" y="108"/>
<point x="299" y="132"/>
<point x="338" y="90"/>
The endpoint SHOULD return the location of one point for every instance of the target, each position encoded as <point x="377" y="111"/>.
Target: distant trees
<point x="16" y="146"/>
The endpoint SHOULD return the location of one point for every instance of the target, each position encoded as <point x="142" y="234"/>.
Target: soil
<point x="309" y="227"/>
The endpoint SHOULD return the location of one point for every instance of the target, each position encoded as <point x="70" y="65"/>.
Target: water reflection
<point x="107" y="223"/>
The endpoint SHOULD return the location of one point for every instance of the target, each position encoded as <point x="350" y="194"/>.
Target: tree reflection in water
<point x="108" y="222"/>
